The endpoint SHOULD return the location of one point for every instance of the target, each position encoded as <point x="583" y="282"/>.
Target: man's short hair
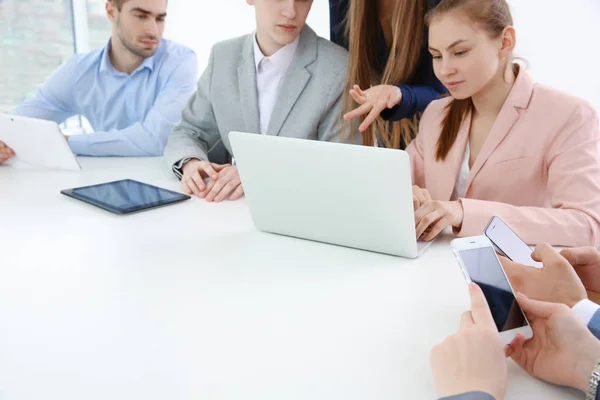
<point x="118" y="3"/>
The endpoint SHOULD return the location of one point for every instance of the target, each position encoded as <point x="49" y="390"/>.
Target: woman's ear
<point x="509" y="41"/>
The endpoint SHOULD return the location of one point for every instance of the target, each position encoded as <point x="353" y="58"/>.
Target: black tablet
<point x="126" y="196"/>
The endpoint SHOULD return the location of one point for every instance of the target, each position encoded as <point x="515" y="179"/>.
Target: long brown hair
<point x="493" y="16"/>
<point x="362" y="28"/>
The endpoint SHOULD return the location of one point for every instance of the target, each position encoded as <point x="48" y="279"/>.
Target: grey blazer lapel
<point x="246" y="74"/>
<point x="295" y="80"/>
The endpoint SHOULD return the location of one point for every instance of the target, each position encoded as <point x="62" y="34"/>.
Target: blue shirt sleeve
<point x="55" y="100"/>
<point x="149" y="136"/>
<point x="414" y="99"/>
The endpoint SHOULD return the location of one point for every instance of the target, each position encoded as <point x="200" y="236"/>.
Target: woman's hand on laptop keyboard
<point x="420" y="197"/>
<point x="6" y="152"/>
<point x="435" y="216"/>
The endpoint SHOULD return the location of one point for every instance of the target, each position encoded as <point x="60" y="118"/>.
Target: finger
<point x="357" y="97"/>
<point x="375" y="111"/>
<point x="422" y="195"/>
<point x="416" y="203"/>
<point x="581" y="256"/>
<point x="217" y="187"/>
<point x="479" y="307"/>
<point x="426" y="195"/>
<point x="395" y="97"/>
<point x="519" y="355"/>
<point x="365" y="108"/>
<point x="516" y="344"/>
<point x="516" y="271"/>
<point x="436" y="229"/>
<point x="209" y="170"/>
<point x="220" y="167"/>
<point x="466" y="320"/>
<point x="428" y="220"/>
<point x="422" y="212"/>
<point x="206" y="191"/>
<point x="191" y="185"/>
<point x="239" y="192"/>
<point x="6" y="154"/>
<point x="508" y="350"/>
<point x="359" y="91"/>
<point x="391" y="103"/>
<point x="198" y="181"/>
<point x="537" y="309"/>
<point x="519" y="275"/>
<point x="227" y="190"/>
<point x="419" y="193"/>
<point x="544" y="253"/>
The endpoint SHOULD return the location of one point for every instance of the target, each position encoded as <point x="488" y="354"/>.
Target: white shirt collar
<point x="281" y="59"/>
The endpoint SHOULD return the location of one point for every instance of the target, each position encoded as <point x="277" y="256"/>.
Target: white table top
<point x="191" y="302"/>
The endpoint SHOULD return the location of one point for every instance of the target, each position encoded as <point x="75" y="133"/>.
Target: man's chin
<point x="145" y="52"/>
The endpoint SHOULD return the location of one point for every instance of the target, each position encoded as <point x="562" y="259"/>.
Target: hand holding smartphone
<point x="509" y="244"/>
<point x="479" y="263"/>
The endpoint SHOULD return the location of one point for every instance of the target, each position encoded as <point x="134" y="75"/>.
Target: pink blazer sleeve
<point x="573" y="167"/>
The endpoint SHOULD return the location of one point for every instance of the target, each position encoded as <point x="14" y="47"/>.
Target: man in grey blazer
<point x="281" y="80"/>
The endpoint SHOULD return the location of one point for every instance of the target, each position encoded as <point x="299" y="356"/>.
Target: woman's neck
<point x="489" y="101"/>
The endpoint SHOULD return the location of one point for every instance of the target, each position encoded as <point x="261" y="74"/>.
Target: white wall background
<point x="200" y="23"/>
<point x="559" y="39"/>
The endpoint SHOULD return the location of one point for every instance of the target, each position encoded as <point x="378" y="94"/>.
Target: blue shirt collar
<point x="106" y="65"/>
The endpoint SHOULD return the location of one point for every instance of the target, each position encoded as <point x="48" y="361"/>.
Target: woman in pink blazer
<point x="502" y="145"/>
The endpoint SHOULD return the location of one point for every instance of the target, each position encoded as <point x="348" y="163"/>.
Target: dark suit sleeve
<point x="414" y="99"/>
<point x="471" y="396"/>
<point x="594" y="324"/>
<point x="337" y="18"/>
<point x="422" y="89"/>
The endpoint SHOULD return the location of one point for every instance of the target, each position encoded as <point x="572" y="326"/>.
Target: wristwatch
<point x="594" y="380"/>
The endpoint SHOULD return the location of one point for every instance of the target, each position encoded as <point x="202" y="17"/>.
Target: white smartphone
<point x="509" y="244"/>
<point x="479" y="263"/>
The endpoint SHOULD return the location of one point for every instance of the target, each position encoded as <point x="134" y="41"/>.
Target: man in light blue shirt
<point x="132" y="91"/>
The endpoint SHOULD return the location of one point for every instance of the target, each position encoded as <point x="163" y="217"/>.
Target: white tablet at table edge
<point x="37" y="142"/>
<point x="343" y="194"/>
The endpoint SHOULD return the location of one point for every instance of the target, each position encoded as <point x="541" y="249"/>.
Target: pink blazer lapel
<point x="519" y="97"/>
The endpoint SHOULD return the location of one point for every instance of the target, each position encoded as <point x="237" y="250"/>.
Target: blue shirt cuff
<point x="79" y="144"/>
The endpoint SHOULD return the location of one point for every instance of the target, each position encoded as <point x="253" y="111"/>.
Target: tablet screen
<point x="125" y="196"/>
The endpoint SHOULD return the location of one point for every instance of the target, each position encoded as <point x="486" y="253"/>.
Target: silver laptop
<point x="342" y="194"/>
<point x="37" y="142"/>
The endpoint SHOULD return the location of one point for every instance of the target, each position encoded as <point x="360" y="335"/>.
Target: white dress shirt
<point x="585" y="310"/>
<point x="460" y="188"/>
<point x="270" y="72"/>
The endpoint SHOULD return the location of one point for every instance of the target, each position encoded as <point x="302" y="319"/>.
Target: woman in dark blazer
<point x="387" y="41"/>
